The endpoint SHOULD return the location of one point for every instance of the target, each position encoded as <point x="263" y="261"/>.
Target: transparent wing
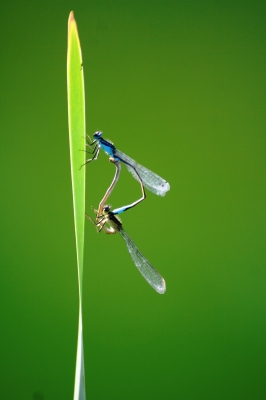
<point x="143" y="265"/>
<point x="151" y="181"/>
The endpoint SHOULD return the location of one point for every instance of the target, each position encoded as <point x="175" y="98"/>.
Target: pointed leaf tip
<point x="71" y="16"/>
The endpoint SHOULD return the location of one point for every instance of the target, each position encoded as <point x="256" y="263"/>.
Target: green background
<point x="179" y="86"/>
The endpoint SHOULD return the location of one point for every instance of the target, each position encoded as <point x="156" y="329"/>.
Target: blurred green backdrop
<point x="179" y="86"/>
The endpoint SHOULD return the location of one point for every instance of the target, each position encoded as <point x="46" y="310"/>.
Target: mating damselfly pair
<point x="104" y="215"/>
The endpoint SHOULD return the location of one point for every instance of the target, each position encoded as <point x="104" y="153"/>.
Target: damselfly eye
<point x="106" y="208"/>
<point x="97" y="134"/>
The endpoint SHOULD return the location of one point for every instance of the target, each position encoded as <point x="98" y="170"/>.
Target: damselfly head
<point x="107" y="208"/>
<point x="97" y="135"/>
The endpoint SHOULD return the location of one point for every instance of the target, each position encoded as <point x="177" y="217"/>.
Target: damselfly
<point x="104" y="216"/>
<point x="151" y="181"/>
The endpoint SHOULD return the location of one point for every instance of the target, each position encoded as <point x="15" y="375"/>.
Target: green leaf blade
<point x="77" y="133"/>
<point x="76" y="120"/>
